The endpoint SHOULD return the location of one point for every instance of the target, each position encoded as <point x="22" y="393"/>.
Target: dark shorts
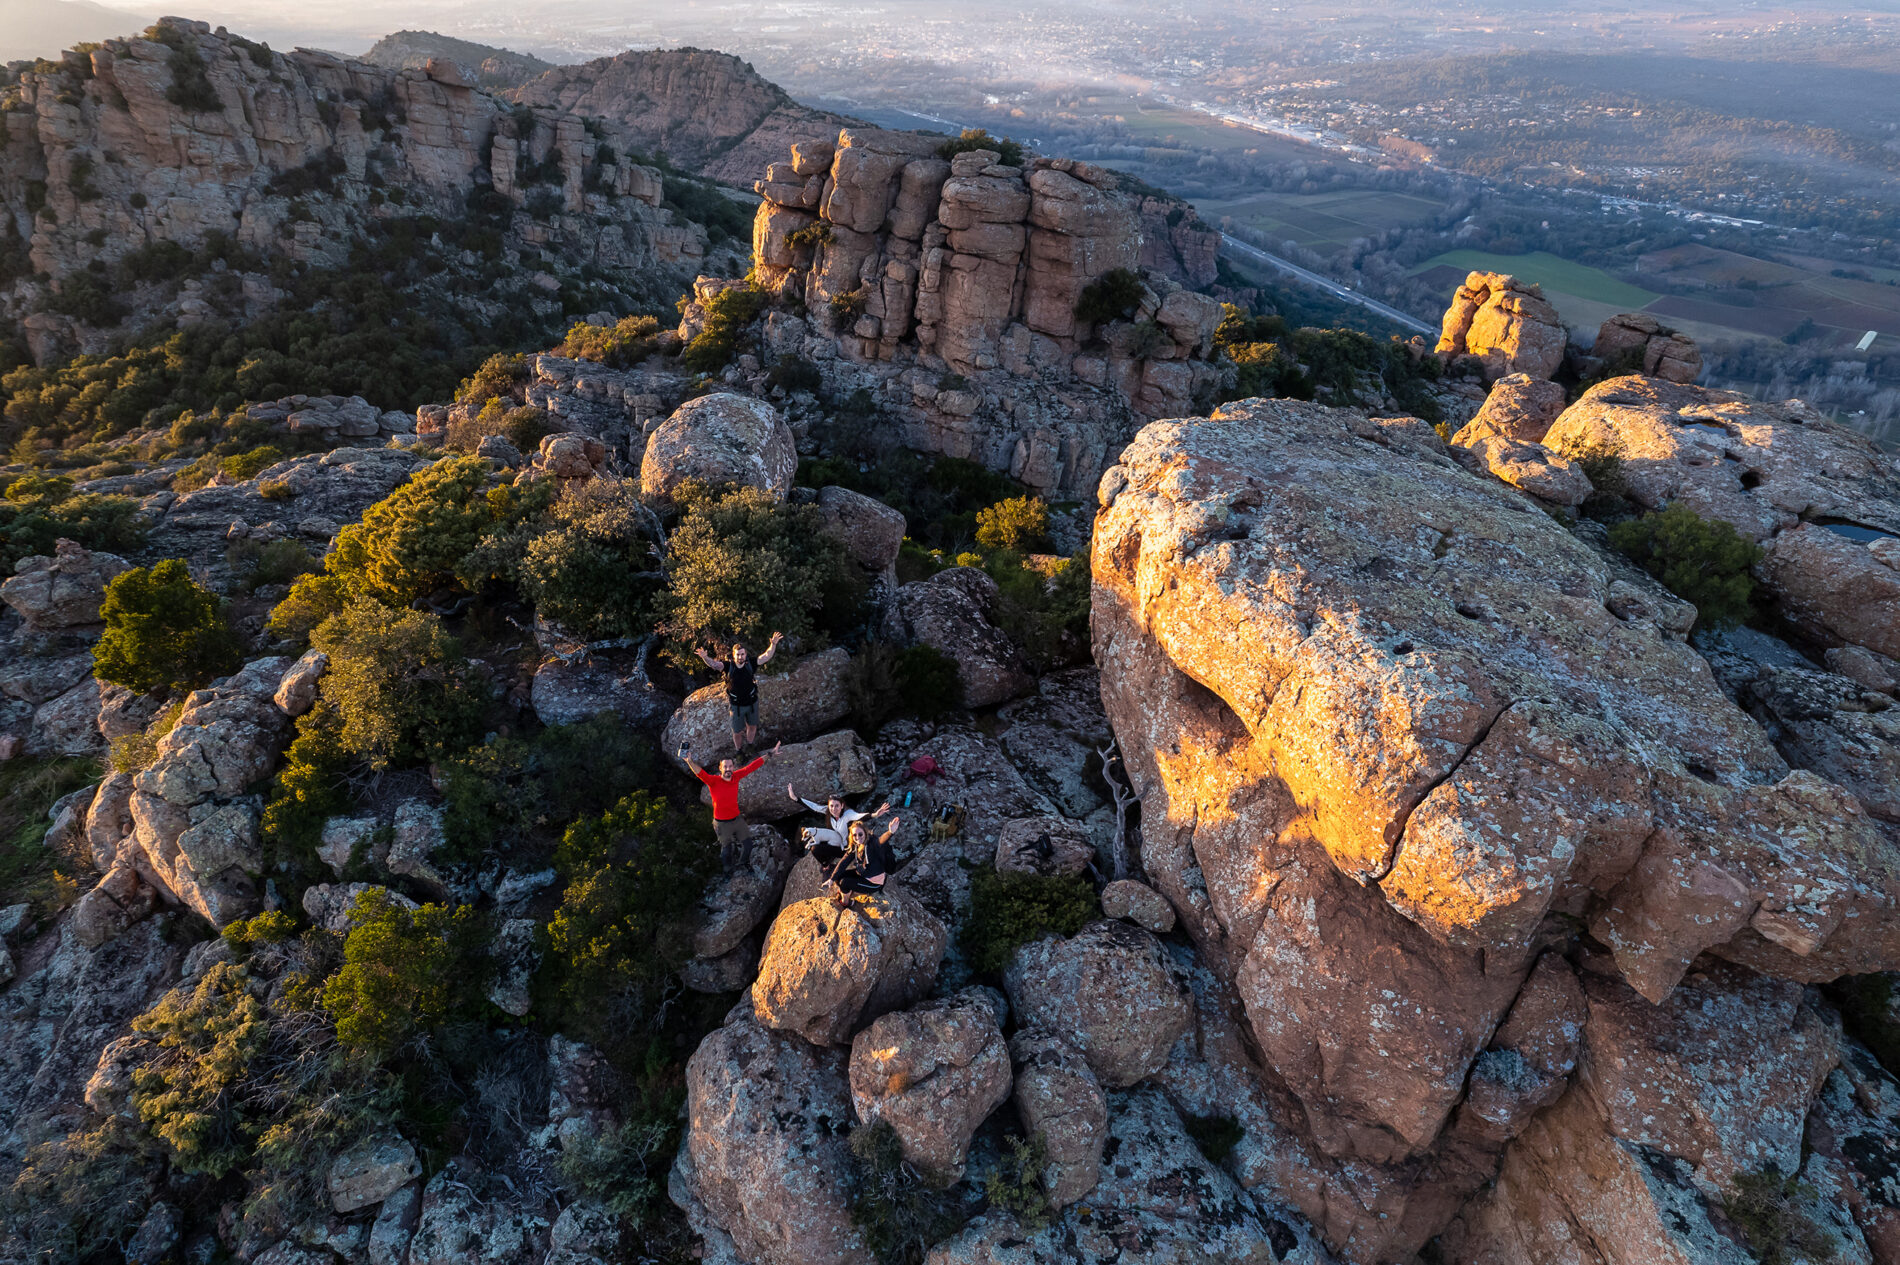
<point x="743" y="716"/>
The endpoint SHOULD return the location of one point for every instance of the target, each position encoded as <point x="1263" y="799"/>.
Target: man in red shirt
<point x="728" y="822"/>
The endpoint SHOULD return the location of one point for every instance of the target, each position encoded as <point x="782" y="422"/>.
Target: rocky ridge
<point x="288" y="155"/>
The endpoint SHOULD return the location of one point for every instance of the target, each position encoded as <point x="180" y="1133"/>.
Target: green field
<point x="1550" y="272"/>
<point x="1166" y="126"/>
<point x="1323" y="222"/>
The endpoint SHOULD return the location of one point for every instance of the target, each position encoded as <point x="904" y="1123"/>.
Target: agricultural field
<point x="1322" y="222"/>
<point x="1559" y="277"/>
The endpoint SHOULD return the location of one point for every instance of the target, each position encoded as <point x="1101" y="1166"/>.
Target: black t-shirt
<point x="741" y="690"/>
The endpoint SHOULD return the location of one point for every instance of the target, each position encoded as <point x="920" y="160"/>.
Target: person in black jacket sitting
<point x="867" y="861"/>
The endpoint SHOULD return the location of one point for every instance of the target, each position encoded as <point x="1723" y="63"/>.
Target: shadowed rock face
<point x="1392" y="735"/>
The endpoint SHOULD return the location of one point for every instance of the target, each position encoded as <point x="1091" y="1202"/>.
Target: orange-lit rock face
<point x="1387" y="729"/>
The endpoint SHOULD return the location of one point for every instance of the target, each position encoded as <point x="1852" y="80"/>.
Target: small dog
<point x="949" y="823"/>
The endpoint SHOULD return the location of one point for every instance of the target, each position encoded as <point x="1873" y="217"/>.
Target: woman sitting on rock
<point x="867" y="861"/>
<point x="827" y="844"/>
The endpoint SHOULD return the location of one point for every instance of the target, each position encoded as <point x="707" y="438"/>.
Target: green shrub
<point x="926" y="682"/>
<point x="624" y="1167"/>
<point x="273" y="926"/>
<point x="190" y="87"/>
<point x="30" y="871"/>
<point x="247" y="465"/>
<point x="410" y="543"/>
<point x="508" y="789"/>
<point x="621" y="345"/>
<point x="312" y="599"/>
<point x="633" y="878"/>
<point x="498" y="376"/>
<point x="39" y="510"/>
<point x="743" y="565"/>
<point x="1768" y="1209"/>
<point x="793" y="374"/>
<point x="1016" y="1185"/>
<point x="1602" y="464"/>
<point x="595" y="570"/>
<point x="79" y="1197"/>
<point x="163" y="630"/>
<point x="405" y="971"/>
<point x="728" y="314"/>
<point x="1008" y="910"/>
<point x="308" y="790"/>
<point x="135" y="751"/>
<point x="812" y="235"/>
<point x="86" y="297"/>
<point x="397" y="685"/>
<point x="972" y="139"/>
<point x="256" y="563"/>
<point x="900" y="1213"/>
<point x="1046" y="613"/>
<point x="1020" y="524"/>
<point x="848" y="307"/>
<point x="207" y="1035"/>
<point x="1216" y="1136"/>
<point x="1113" y="296"/>
<point x="1703" y="561"/>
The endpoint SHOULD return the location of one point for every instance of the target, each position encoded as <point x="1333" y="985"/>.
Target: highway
<point x="1255" y="255"/>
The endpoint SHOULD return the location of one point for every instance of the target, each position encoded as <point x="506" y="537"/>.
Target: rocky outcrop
<point x="1636" y="342"/>
<point x="493" y="67"/>
<point x="947" y="290"/>
<point x="63" y="590"/>
<point x="193" y="821"/>
<point x="707" y="111"/>
<point x="765" y="1163"/>
<point x="287" y="154"/>
<point x="1821" y="500"/>
<point x="1160" y="1203"/>
<point x="1549" y="476"/>
<point x="1109" y="992"/>
<point x="950" y="612"/>
<point x="1504" y="326"/>
<point x="1059" y="1098"/>
<point x="1518" y="407"/>
<point x="870" y="531"/>
<point x="934" y="1073"/>
<point x="1381" y="763"/>
<point x="720" y="439"/>
<point x="830" y="969"/>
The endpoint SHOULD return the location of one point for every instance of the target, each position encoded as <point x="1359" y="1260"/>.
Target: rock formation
<point x="707" y="111"/>
<point x="1639" y="343"/>
<point x="948" y="289"/>
<point x="720" y="439"/>
<point x="1822" y="501"/>
<point x="1382" y="764"/>
<point x="1505" y="326"/>
<point x="494" y="68"/>
<point x="287" y="155"/>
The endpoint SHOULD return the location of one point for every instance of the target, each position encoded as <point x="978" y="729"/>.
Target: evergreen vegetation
<point x="163" y="630"/>
<point x="1703" y="561"/>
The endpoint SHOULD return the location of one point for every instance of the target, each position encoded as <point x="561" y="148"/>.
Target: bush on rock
<point x="163" y="629"/>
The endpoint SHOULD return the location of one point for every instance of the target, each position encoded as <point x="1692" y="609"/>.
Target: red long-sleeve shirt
<point x="725" y="791"/>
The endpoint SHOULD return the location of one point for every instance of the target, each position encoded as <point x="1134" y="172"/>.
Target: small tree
<point x="1112" y="296"/>
<point x="971" y="139"/>
<point x="597" y="570"/>
<point x="1020" y="524"/>
<point x="742" y="565"/>
<point x="163" y="629"/>
<point x="410" y="543"/>
<point x="397" y="684"/>
<point x="404" y="971"/>
<point x="1704" y="561"/>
